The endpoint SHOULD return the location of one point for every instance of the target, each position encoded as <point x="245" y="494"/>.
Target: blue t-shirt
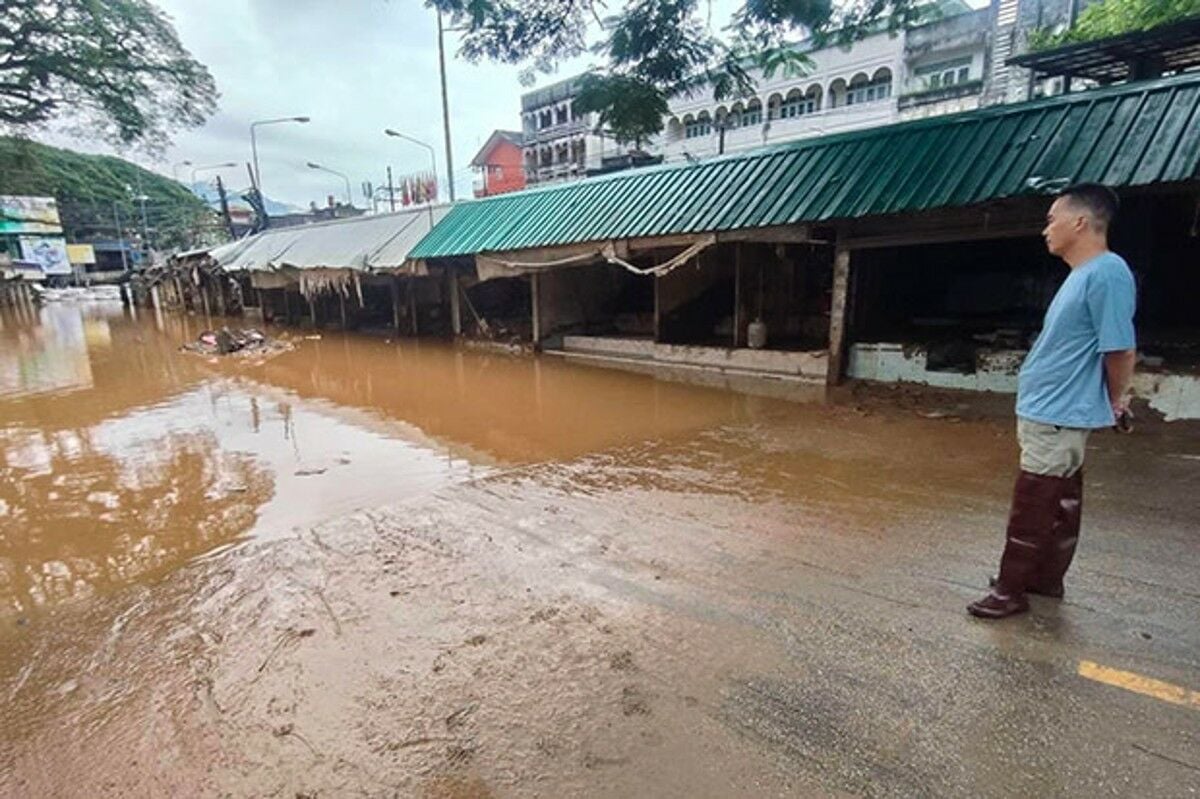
<point x="1062" y="380"/>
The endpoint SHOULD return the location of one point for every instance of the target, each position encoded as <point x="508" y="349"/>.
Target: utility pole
<point x="391" y="190"/>
<point x="225" y="208"/>
<point x="120" y="237"/>
<point x="137" y="176"/>
<point x="445" y="108"/>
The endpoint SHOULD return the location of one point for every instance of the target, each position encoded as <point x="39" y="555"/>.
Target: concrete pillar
<point x="535" y="304"/>
<point x="455" y="302"/>
<point x="394" y="285"/>
<point x="737" y="295"/>
<point x="657" y="308"/>
<point x="412" y="305"/>
<point x="837" y="316"/>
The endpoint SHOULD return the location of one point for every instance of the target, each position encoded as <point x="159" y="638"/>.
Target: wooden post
<point x="455" y="302"/>
<point x="204" y="299"/>
<point x="737" y="294"/>
<point x="395" y="287"/>
<point x="535" y="290"/>
<point x="412" y="305"/>
<point x="837" y="316"/>
<point x="342" y="307"/>
<point x="219" y="290"/>
<point x="657" y="310"/>
<point x="312" y="311"/>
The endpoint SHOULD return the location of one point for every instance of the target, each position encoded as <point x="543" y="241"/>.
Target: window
<point x="870" y="93"/>
<point x="753" y="116"/>
<point x="945" y="73"/>
<point x="796" y="107"/>
<point x="695" y="128"/>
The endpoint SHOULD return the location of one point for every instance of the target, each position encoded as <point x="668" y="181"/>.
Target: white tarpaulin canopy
<point x="364" y="244"/>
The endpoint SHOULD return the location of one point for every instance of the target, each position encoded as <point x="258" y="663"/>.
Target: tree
<point x="1114" y="17"/>
<point x="656" y="49"/>
<point x="628" y="109"/>
<point x="116" y="65"/>
<point x="90" y="187"/>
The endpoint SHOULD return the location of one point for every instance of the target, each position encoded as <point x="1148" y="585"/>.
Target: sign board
<point x="47" y="252"/>
<point x="81" y="254"/>
<point x="29" y="215"/>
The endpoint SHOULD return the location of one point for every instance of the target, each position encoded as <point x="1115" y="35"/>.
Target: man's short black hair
<point x="1098" y="200"/>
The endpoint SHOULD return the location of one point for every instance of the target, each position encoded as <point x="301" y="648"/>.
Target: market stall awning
<point x="1129" y="135"/>
<point x="380" y="242"/>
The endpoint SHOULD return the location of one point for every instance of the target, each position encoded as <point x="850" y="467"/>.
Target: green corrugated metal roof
<point x="1127" y="135"/>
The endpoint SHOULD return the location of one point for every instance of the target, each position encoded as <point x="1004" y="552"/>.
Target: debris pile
<point x="248" y="342"/>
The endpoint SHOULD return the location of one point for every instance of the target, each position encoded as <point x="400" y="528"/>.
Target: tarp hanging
<point x="314" y="282"/>
<point x="490" y="266"/>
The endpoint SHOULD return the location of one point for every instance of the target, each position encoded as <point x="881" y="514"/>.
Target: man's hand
<point x="1118" y="373"/>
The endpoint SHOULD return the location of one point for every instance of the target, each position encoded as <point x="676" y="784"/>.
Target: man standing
<point x="1073" y="381"/>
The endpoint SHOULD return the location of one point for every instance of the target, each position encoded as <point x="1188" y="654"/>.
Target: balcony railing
<point x="557" y="131"/>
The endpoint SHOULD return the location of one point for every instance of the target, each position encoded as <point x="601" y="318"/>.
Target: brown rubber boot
<point x="1061" y="544"/>
<point x="1035" y="508"/>
<point x="1060" y="550"/>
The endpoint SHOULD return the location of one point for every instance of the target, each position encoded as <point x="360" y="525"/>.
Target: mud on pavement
<point x="770" y="608"/>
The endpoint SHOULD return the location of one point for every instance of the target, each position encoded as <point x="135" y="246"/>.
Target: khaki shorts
<point x="1049" y="449"/>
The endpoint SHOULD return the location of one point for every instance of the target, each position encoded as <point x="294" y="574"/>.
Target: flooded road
<point x="122" y="458"/>
<point x="388" y="568"/>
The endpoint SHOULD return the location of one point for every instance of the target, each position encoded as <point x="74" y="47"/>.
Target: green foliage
<point x="655" y="49"/>
<point x="1114" y="17"/>
<point x="88" y="186"/>
<point x="116" y="67"/>
<point x="630" y="111"/>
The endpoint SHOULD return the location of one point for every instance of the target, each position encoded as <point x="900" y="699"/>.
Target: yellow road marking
<point x="1139" y="684"/>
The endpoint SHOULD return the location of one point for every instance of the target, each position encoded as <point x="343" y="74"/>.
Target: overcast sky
<point x="355" y="67"/>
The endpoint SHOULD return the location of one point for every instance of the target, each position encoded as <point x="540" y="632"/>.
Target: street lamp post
<point x="206" y="167"/>
<point x="254" y="144"/>
<point x="445" y="106"/>
<point x="349" y="200"/>
<point x="432" y="156"/>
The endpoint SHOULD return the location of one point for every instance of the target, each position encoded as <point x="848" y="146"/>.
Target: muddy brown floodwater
<point x="388" y="568"/>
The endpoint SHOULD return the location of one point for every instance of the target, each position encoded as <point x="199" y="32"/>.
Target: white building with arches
<point x="935" y="68"/>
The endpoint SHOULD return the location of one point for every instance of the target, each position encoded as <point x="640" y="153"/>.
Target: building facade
<point x="499" y="164"/>
<point x="559" y="143"/>
<point x="956" y="62"/>
<point x="936" y="68"/>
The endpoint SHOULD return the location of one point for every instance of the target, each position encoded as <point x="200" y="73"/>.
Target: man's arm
<point x="1118" y="369"/>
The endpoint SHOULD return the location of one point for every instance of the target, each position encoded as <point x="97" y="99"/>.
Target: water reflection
<point x="78" y="517"/>
<point x="122" y="458"/>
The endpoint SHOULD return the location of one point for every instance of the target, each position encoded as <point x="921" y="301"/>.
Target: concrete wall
<point x="684" y="285"/>
<point x="1175" y="396"/>
<point x="576" y="297"/>
<point x="805" y="366"/>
